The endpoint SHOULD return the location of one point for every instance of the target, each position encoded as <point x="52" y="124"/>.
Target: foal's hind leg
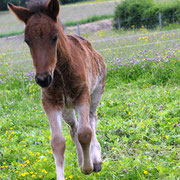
<point x="70" y="118"/>
<point x="95" y="149"/>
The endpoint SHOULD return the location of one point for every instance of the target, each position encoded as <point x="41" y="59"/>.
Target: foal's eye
<point x="55" y="38"/>
<point x="27" y="42"/>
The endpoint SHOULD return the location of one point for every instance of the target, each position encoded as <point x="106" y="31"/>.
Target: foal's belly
<point x="68" y="101"/>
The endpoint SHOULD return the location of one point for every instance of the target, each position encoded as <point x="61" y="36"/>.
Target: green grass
<point x="88" y="20"/>
<point x="138" y="126"/>
<point x="13" y="33"/>
<point x="91" y="1"/>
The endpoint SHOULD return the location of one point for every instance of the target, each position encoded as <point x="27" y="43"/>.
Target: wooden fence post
<point x="78" y="29"/>
<point x="160" y="20"/>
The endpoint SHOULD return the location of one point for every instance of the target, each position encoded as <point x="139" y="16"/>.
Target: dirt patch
<point x="91" y="27"/>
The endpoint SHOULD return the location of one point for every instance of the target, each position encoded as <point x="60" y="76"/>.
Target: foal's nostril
<point x="43" y="81"/>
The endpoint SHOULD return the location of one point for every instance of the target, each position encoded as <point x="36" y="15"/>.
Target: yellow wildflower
<point x="44" y="171"/>
<point x="27" y="162"/>
<point x="145" y="172"/>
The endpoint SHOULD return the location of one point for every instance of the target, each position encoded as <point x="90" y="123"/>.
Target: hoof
<point x="97" y="167"/>
<point x="86" y="171"/>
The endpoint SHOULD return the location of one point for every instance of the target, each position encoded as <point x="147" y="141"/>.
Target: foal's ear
<point x="53" y="9"/>
<point x="22" y="14"/>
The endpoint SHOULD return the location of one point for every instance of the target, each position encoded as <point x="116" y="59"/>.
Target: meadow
<point x="68" y="15"/>
<point x="139" y="114"/>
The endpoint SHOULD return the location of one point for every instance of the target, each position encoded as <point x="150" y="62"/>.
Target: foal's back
<point x="88" y="62"/>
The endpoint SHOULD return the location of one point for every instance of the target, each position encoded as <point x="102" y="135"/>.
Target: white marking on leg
<point x="57" y="141"/>
<point x="95" y="146"/>
<point x="59" y="172"/>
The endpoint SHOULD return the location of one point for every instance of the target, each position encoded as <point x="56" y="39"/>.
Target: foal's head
<point x="41" y="35"/>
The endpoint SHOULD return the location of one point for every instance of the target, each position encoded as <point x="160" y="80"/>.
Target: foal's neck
<point x="63" y="46"/>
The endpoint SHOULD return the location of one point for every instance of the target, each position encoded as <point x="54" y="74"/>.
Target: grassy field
<point x="68" y="14"/>
<point x="138" y="126"/>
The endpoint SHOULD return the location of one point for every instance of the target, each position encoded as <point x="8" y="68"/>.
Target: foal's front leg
<point x="84" y="136"/>
<point x="57" y="139"/>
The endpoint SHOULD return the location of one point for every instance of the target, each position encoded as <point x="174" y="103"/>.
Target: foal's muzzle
<point x="43" y="80"/>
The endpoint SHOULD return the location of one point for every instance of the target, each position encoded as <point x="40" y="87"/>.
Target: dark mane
<point x="36" y="5"/>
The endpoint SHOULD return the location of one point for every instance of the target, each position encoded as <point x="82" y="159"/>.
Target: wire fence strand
<point x="100" y="50"/>
<point x="106" y="39"/>
<point x="105" y="49"/>
<point x="138" y="35"/>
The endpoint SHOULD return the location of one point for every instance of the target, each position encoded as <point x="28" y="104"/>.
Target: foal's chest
<point x="61" y="95"/>
<point x="58" y="97"/>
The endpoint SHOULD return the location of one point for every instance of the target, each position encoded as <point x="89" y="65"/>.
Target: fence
<point x="113" y="44"/>
<point x="159" y="19"/>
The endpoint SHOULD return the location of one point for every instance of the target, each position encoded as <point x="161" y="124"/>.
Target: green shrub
<point x="170" y="11"/>
<point x="131" y="12"/>
<point x="139" y="13"/>
<point x="150" y="17"/>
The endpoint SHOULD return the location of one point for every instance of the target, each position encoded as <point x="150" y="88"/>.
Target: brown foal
<point x="71" y="75"/>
